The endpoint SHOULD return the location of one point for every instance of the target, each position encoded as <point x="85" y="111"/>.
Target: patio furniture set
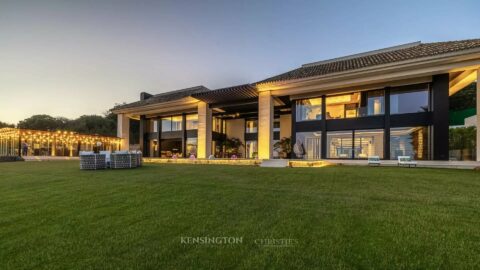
<point x="106" y="159"/>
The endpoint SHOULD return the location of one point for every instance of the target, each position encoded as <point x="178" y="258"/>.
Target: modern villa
<point x="388" y="103"/>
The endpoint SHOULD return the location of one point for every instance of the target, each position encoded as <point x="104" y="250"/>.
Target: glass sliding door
<point x="340" y="144"/>
<point x="312" y="144"/>
<point x="409" y="141"/>
<point x="368" y="143"/>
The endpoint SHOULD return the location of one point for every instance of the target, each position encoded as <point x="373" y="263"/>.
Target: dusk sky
<point x="69" y="58"/>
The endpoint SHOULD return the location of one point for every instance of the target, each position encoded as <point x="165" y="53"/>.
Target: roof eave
<point x="471" y="53"/>
<point x="144" y="108"/>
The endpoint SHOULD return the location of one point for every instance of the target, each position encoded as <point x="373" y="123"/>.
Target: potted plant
<point x="232" y="146"/>
<point x="283" y="147"/>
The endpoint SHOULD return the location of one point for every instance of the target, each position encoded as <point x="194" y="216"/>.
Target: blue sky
<point x="69" y="58"/>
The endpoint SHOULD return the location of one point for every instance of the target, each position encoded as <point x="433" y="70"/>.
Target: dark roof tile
<point x="385" y="56"/>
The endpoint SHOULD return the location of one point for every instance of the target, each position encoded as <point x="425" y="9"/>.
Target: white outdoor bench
<point x="406" y="161"/>
<point x="374" y="160"/>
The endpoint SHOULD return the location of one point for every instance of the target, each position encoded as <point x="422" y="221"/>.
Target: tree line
<point x="88" y="124"/>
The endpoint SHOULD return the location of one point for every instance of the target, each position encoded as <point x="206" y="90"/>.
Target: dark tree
<point x="4" y="125"/>
<point x="43" y="122"/>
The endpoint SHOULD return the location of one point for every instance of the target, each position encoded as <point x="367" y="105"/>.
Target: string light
<point x="8" y="136"/>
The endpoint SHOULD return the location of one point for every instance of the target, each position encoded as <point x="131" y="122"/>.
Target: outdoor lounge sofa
<point x="406" y="161"/>
<point x="124" y="160"/>
<point x="92" y="161"/>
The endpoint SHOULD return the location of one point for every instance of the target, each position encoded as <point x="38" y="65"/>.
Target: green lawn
<point x="54" y="216"/>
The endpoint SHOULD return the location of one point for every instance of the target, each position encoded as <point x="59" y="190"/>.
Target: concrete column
<point x="123" y="131"/>
<point x="204" y="132"/>
<point x="478" y="115"/>
<point x="265" y="125"/>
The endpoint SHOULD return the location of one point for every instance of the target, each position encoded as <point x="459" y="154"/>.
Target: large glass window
<point x="177" y="123"/>
<point x="173" y="123"/>
<point x="166" y="124"/>
<point x="368" y="143"/>
<point x="409" y="141"/>
<point x="311" y="144"/>
<point x="218" y="125"/>
<point x="192" y="121"/>
<point x="375" y="102"/>
<point x="357" y="104"/>
<point x="343" y="106"/>
<point x="409" y="100"/>
<point x="339" y="144"/>
<point x="251" y="126"/>
<point x="309" y="109"/>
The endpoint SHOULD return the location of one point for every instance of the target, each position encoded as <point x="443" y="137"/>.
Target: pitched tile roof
<point x="165" y="97"/>
<point x="384" y="56"/>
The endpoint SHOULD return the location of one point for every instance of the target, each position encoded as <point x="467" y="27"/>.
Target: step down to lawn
<point x="274" y="163"/>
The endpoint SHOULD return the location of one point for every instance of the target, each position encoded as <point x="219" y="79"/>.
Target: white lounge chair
<point x="374" y="160"/>
<point x="406" y="161"/>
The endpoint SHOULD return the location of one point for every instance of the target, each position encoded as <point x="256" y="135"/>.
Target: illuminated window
<point x="343" y="106"/>
<point x="218" y="125"/>
<point x="177" y="123"/>
<point x="309" y="109"/>
<point x="375" y="102"/>
<point x="192" y="121"/>
<point x="173" y="123"/>
<point x="251" y="126"/>
<point x="368" y="143"/>
<point x="340" y="144"/>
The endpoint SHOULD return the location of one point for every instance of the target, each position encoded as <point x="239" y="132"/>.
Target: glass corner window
<point x="309" y="109"/>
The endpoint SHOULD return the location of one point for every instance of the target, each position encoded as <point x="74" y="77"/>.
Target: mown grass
<point x="54" y="216"/>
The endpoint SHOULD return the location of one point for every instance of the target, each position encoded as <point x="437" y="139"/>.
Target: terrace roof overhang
<point x="231" y="102"/>
<point x="183" y="105"/>
<point x="229" y="95"/>
<point x="236" y="101"/>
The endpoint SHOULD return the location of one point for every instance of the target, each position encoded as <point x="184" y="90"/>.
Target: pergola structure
<point x="21" y="142"/>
